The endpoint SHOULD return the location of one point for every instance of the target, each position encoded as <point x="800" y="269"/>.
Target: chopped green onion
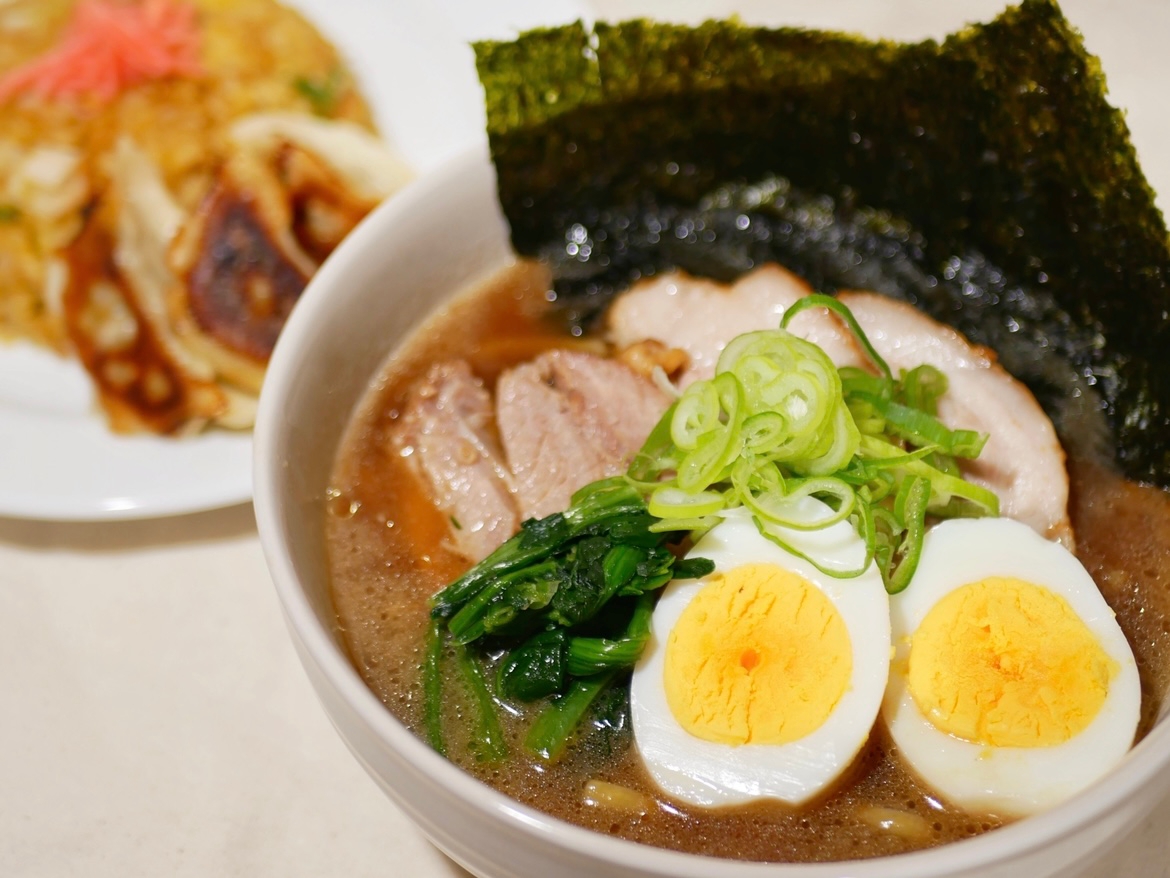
<point x="819" y="300"/>
<point x="772" y="532"/>
<point x="775" y="507"/>
<point x="696" y="526"/>
<point x="718" y="446"/>
<point x="671" y="502"/>
<point x="922" y="387"/>
<point x="909" y="508"/>
<point x="695" y="415"/>
<point x="779" y="423"/>
<point x="924" y="429"/>
<point x="656" y="454"/>
<point x="856" y="381"/>
<point x="946" y="488"/>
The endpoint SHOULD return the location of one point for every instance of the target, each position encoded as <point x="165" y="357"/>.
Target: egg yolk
<point x="1007" y="663"/>
<point x="759" y="656"/>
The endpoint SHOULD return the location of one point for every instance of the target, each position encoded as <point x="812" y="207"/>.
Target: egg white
<point x="1012" y="781"/>
<point x="710" y="774"/>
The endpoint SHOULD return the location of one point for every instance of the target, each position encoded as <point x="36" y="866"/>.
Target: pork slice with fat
<point x="447" y="431"/>
<point x="569" y="418"/>
<point x="1023" y="461"/>
<point x="701" y="316"/>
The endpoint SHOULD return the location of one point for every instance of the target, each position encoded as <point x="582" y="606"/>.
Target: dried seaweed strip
<point x="997" y="147"/>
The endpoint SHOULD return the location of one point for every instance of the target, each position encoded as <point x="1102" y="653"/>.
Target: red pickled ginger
<point x="109" y="47"/>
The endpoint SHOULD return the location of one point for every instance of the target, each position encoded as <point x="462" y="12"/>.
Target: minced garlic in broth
<point x="387" y="556"/>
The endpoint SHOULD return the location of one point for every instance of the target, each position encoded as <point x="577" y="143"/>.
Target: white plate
<point x="58" y="460"/>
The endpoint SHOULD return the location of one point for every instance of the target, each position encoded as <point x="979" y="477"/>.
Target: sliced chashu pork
<point x="701" y="316"/>
<point x="447" y="431"/>
<point x="568" y="418"/>
<point x="1023" y="461"/>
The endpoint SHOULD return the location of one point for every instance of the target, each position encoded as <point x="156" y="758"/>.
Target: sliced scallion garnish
<point x="779" y="423"/>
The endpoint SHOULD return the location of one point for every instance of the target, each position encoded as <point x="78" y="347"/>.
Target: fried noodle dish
<point x="172" y="173"/>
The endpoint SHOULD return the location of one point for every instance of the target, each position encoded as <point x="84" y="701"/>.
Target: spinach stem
<point x="592" y="655"/>
<point x="489" y="740"/>
<point x="550" y="734"/>
<point x="433" y="687"/>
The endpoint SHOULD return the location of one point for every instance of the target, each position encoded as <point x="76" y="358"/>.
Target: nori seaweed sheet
<point x="988" y="175"/>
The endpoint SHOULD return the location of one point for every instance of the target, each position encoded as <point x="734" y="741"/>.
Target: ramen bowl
<point x="438" y="237"/>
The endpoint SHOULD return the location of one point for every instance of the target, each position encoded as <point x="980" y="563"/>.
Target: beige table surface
<point x="153" y="717"/>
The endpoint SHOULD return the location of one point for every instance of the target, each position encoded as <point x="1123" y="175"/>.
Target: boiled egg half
<point x="1012" y="686"/>
<point x="763" y="680"/>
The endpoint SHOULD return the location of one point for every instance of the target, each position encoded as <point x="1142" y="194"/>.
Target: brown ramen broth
<point x="387" y="554"/>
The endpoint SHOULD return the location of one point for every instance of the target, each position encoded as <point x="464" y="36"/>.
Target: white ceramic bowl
<point x="432" y="240"/>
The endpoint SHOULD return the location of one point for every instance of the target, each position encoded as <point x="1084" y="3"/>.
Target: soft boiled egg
<point x="1012" y="686"/>
<point x="763" y="679"/>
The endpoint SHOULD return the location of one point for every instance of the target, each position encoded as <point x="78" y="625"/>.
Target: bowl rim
<point x="1148" y="757"/>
